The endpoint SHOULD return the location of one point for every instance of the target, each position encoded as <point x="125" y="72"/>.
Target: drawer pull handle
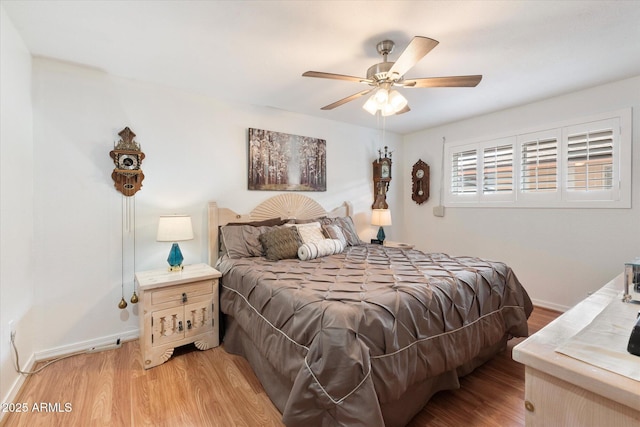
<point x="180" y="327"/>
<point x="189" y="324"/>
<point x="184" y="297"/>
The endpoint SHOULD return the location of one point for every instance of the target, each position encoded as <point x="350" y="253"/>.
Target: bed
<point x="362" y="336"/>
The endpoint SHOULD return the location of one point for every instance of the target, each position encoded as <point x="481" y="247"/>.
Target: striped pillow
<point x="319" y="249"/>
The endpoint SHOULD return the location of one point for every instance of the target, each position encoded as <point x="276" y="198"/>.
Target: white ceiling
<point x="254" y="52"/>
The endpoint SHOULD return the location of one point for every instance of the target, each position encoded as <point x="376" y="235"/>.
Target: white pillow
<point x="318" y="249"/>
<point x="310" y="232"/>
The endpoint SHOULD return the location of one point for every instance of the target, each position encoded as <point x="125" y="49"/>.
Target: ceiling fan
<point x="385" y="75"/>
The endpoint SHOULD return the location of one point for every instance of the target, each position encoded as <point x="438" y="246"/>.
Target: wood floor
<point x="214" y="388"/>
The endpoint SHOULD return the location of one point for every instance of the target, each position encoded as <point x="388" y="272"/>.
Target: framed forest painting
<point x="283" y="162"/>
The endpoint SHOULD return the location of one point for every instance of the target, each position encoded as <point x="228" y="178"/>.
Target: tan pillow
<point x="348" y="229"/>
<point x="241" y="241"/>
<point x="334" y="231"/>
<point x="280" y="243"/>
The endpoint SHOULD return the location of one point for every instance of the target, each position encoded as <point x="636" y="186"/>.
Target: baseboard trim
<point x="13" y="391"/>
<point x="86" y="345"/>
<point x="550" y="305"/>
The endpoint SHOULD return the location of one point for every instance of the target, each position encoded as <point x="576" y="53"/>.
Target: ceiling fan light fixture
<point x="387" y="110"/>
<point x="371" y="106"/>
<point x="381" y="95"/>
<point x="387" y="102"/>
<point x="397" y="100"/>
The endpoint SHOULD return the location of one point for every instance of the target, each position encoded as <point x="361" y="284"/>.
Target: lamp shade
<point x="174" y="228"/>
<point x="381" y="217"/>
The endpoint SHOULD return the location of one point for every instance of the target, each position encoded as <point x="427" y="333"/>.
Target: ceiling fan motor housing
<point x="379" y="72"/>
<point x="385" y="47"/>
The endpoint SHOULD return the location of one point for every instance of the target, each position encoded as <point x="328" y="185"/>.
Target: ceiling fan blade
<point x="322" y="75"/>
<point x="417" y="49"/>
<point x="453" y="81"/>
<point x="345" y="100"/>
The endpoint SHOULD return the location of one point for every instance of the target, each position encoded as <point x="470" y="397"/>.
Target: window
<point x="590" y="161"/>
<point x="539" y="165"/>
<point x="586" y="163"/>
<point x="592" y="151"/>
<point x="498" y="169"/>
<point x="463" y="172"/>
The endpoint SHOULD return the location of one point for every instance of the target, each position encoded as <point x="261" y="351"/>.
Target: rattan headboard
<point x="285" y="206"/>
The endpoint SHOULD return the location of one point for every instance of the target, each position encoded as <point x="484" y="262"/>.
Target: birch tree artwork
<point x="284" y="162"/>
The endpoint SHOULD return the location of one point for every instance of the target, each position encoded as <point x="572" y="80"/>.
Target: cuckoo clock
<point x="381" y="179"/>
<point x="127" y="157"/>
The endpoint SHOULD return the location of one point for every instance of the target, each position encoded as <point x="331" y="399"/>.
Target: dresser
<point x="564" y="391"/>
<point x="177" y="308"/>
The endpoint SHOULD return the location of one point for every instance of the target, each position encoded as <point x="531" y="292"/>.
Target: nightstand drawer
<point x="182" y="293"/>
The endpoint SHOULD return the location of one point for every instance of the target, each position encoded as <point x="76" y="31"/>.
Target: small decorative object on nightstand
<point x="632" y="281"/>
<point x="177" y="308"/>
<point x="381" y="217"/>
<point x="175" y="228"/>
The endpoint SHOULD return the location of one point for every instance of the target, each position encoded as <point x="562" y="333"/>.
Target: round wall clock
<point x="420" y="179"/>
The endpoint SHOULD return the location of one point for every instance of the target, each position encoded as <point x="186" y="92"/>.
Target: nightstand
<point x="177" y="308"/>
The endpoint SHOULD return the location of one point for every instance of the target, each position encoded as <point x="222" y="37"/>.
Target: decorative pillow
<point x="280" y="243"/>
<point x="262" y="223"/>
<point x="319" y="249"/>
<point x="333" y="231"/>
<point x="309" y="232"/>
<point x="306" y="221"/>
<point x="348" y="229"/>
<point x="241" y="241"/>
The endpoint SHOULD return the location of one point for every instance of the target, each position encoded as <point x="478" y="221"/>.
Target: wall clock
<point x="127" y="157"/>
<point x="127" y="177"/>
<point x="381" y="179"/>
<point x="420" y="179"/>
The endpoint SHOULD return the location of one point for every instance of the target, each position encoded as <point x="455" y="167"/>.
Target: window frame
<point x="619" y="196"/>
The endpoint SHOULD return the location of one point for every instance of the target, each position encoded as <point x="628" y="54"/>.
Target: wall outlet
<point x="105" y="347"/>
<point x="438" y="211"/>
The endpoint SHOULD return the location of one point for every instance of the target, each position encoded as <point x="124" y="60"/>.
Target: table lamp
<point x="174" y="228"/>
<point x="381" y="217"/>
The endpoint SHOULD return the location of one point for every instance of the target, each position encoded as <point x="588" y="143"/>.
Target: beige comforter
<point x="354" y="331"/>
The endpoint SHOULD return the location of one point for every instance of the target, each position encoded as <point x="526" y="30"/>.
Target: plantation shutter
<point x="539" y="165"/>
<point x="464" y="173"/>
<point x="590" y="160"/>
<point x="498" y="169"/>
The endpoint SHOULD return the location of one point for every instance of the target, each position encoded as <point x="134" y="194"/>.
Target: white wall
<point x="16" y="203"/>
<point x="549" y="250"/>
<point x="196" y="151"/>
